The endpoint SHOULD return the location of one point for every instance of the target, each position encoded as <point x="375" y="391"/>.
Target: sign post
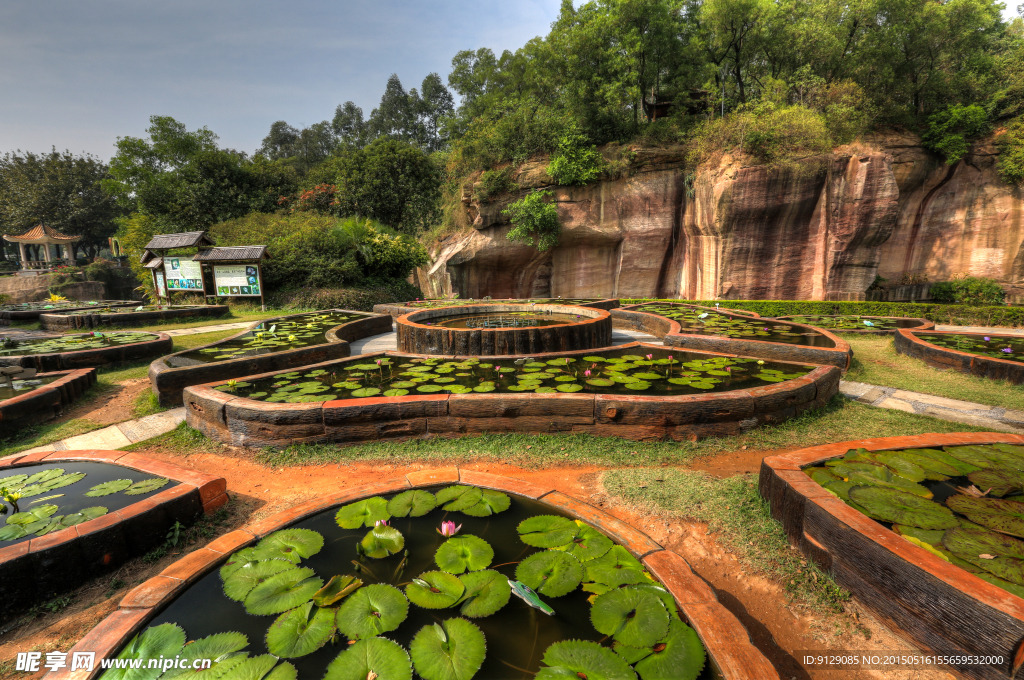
<point x="183" y="275"/>
<point x="239" y="280"/>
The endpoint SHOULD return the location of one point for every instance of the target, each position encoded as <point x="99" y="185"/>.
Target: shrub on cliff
<point x="969" y="291"/>
<point x="577" y="161"/>
<point x="773" y="134"/>
<point x="534" y="218"/>
<point x="1011" y="152"/>
<point x="950" y="130"/>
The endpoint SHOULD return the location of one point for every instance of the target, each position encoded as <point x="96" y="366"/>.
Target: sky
<point x="78" y="74"/>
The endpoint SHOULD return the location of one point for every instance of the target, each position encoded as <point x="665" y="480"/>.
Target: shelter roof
<point x="231" y="254"/>
<point x="187" y="239"/>
<point x="42" y="234"/>
<point x="158" y="263"/>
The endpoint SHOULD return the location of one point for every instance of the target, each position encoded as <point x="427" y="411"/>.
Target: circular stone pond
<point x="83" y="350"/>
<point x="926" y="531"/>
<point x="498" y="329"/>
<point x="425" y="577"/>
<point x="866" y="325"/>
<point x="138" y="315"/>
<point x="30" y="311"/>
<point x="999" y="357"/>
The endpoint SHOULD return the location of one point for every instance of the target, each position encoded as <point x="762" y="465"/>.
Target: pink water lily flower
<point x="987" y="338"/>
<point x="381" y="523"/>
<point x="587" y="373"/>
<point x="1007" y="350"/>
<point x="650" y="356"/>
<point x="448" y="529"/>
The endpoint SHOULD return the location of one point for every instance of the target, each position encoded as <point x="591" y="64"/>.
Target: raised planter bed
<point x="73" y="319"/>
<point x="807" y="345"/>
<point x="38" y="568"/>
<point x="421" y="332"/>
<point x="46" y="401"/>
<point x="146" y="346"/>
<point x="397" y="309"/>
<point x="882" y="325"/>
<point x="931" y="603"/>
<point x="249" y="422"/>
<point x="913" y="345"/>
<point x="195" y="577"/>
<point x="30" y="311"/>
<point x="171" y="374"/>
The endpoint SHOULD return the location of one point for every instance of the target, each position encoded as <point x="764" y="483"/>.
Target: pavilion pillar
<point x="67" y="254"/>
<point x="46" y="252"/>
<point x="24" y="258"/>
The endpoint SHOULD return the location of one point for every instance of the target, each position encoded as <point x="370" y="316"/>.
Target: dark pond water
<point x="982" y="345"/>
<point x="71" y="343"/>
<point x="855" y="323"/>
<point x="272" y="335"/>
<point x="506" y="320"/>
<point x="71" y="499"/>
<point x="23" y="386"/>
<point x="709" y="322"/>
<point x="517" y="635"/>
<point x="618" y="371"/>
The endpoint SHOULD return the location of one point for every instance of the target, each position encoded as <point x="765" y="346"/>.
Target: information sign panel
<point x="237" y="280"/>
<point x="183" y="274"/>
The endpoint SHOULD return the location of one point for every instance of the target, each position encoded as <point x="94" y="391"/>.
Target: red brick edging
<point x="46" y="401"/>
<point x="724" y="637"/>
<point x="86" y="358"/>
<point x="965" y="362"/>
<point x="43" y="567"/>
<point x="926" y="600"/>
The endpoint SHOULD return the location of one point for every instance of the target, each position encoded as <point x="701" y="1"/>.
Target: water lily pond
<point x="39" y="499"/>
<point x="272" y="335"/>
<point x="129" y="310"/>
<point x="964" y="504"/>
<point x="459" y="584"/>
<point x="855" y="323"/>
<point x="982" y="345"/>
<point x="23" y="386"/>
<point x="622" y="371"/>
<point x="431" y="304"/>
<point x="72" y="343"/>
<point x="506" y="320"/>
<point x="709" y="322"/>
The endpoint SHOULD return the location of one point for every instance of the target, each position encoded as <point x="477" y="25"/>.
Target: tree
<point x="436" y="104"/>
<point x="349" y="126"/>
<point x="397" y="116"/>
<point x="61" y="190"/>
<point x="280" y="142"/>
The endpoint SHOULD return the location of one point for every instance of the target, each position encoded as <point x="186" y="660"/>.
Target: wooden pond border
<point x="168" y="381"/>
<point x="593" y="331"/>
<point x="46" y="401"/>
<point x="965" y="362"/>
<point x="924" y="324"/>
<point x="929" y="602"/>
<point x="46" y="566"/>
<point x="86" y="358"/>
<point x="673" y="336"/>
<point x="9" y="315"/>
<point x="724" y="637"/>
<point x="62" y="321"/>
<point x="397" y="309"/>
<point x="246" y="422"/>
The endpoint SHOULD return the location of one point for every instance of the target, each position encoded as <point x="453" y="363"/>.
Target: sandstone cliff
<point x="820" y="229"/>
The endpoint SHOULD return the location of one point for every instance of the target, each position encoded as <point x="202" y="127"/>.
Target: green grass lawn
<point x="876" y="362"/>
<point x="47" y="433"/>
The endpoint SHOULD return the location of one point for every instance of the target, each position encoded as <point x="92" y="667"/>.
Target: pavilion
<point x="43" y="237"/>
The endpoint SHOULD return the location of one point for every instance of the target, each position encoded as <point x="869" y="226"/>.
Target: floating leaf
<point x="633" y="617"/>
<point x="362" y="513"/>
<point x="365" y="392"/>
<point x="551" y="573"/>
<point x="435" y="590"/>
<point x="821" y="475"/>
<point x="13" y="482"/>
<point x="998" y="514"/>
<point x="83" y="515"/>
<point x="377" y="657"/>
<point x="282" y="591"/>
<point x="933" y="467"/>
<point x="464" y="553"/>
<point x="898" y="507"/>
<point x="998" y="482"/>
<point x="901" y="466"/>
<point x="382" y="541"/>
<point x="547" y="531"/>
<point x="457" y="498"/>
<point x="49" y="484"/>
<point x="301" y="631"/>
<point x="583" y="659"/>
<point x="372" y="610"/>
<point x="164" y="640"/>
<point x="491" y="503"/>
<point x="393" y="393"/>
<point x="290" y="544"/>
<point x="415" y="503"/>
<point x="969" y="545"/>
<point x="254" y="668"/>
<point x="615" y="568"/>
<point x="662" y="594"/>
<point x="30" y="516"/>
<point x="961" y="466"/>
<point x="929" y="536"/>
<point x="452" y="650"/>
<point x="146" y="486"/>
<point x="212" y="647"/>
<point x="107" y="488"/>
<point x="486" y="592"/>
<point x="680" y="656"/>
<point x="589" y="544"/>
<point x="237" y="560"/>
<point x="336" y="589"/>
<point x="241" y="581"/>
<point x="12" y="532"/>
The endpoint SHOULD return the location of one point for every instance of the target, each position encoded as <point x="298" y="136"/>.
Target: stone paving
<point x="122" y="434"/>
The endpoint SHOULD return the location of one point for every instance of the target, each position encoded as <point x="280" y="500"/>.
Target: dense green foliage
<point x="951" y="129"/>
<point x="576" y="161"/>
<point x="534" y="218"/>
<point x="969" y="291"/>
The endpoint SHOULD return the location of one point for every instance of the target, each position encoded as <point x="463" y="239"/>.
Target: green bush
<point x="577" y="161"/>
<point x="772" y="134"/>
<point x="1011" y="152"/>
<point x="969" y="291"/>
<point x="357" y="298"/>
<point x="533" y="217"/>
<point x="494" y="182"/>
<point x="950" y="130"/>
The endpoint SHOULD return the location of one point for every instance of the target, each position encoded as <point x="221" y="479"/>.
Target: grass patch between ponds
<point x="738" y="517"/>
<point x="46" y="433"/>
<point x="876" y="362"/>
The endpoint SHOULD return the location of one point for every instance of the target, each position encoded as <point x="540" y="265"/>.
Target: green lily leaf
<point x="547" y="531"/>
<point x="898" y="507"/>
<point x="1008" y="553"/>
<point x="633" y="617"/>
<point x="458" y="498"/>
<point x="589" y="544"/>
<point x="961" y="467"/>
<point x="216" y="647"/>
<point x="372" y="610"/>
<point x="337" y="589"/>
<point x="254" y="668"/>
<point x="901" y="466"/>
<point x="464" y="553"/>
<point x="680" y="656"/>
<point x="282" y="591"/>
<point x="290" y="544"/>
<point x="435" y="590"/>
<point x="491" y="503"/>
<point x="362" y="513"/>
<point x="452" y="650"/>
<point x="241" y="581"/>
<point x="50" y="484"/>
<point x="376" y="657"/>
<point x="415" y="503"/>
<point x="998" y="482"/>
<point x="12" y="532"/>
<point x="13" y="482"/>
<point x="245" y="556"/>
<point x="164" y="640"/>
<point x="662" y="594"/>
<point x="486" y="592"/>
<point x="43" y="476"/>
<point x="998" y="514"/>
<point x="382" y="541"/>
<point x="83" y="515"/>
<point x="615" y="568"/>
<point x="32" y="516"/>
<point x="146" y="486"/>
<point x="551" y="573"/>
<point x="301" y="631"/>
<point x="583" y="659"/>
<point x="107" y="488"/>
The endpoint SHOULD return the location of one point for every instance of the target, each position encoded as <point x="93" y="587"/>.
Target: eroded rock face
<point x="820" y="230"/>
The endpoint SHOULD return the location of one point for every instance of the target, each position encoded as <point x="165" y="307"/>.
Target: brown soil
<point x="777" y="627"/>
<point x="111" y="406"/>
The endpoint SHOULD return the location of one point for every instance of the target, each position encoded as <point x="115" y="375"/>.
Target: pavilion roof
<point x="42" y="234"/>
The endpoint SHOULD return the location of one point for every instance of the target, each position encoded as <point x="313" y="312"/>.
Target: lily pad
<point x="464" y="553"/>
<point x="589" y="544"/>
<point x="372" y="610"/>
<point x="572" y="387"/>
<point x="362" y="513"/>
<point x="338" y="588"/>
<point x="633" y="617"/>
<point x="583" y="659"/>
<point x="435" y="590"/>
<point x="301" y="631"/>
<point x="680" y="656"/>
<point x="547" y="531"/>
<point x="50" y="483"/>
<point x="551" y="573"/>
<point x="457" y="498"/>
<point x="615" y="568"/>
<point x="108" y="488"/>
<point x="290" y="544"/>
<point x="902" y="466"/>
<point x="382" y="541"/>
<point x="969" y="545"/>
<point x="486" y="592"/>
<point x="83" y="515"/>
<point x="213" y="647"/>
<point x="12" y="532"/>
<point x="371" y="658"/>
<point x="415" y="503"/>
<point x="898" y="507"/>
<point x="998" y="482"/>
<point x="241" y="581"/>
<point x="935" y="454"/>
<point x="165" y="640"/>
<point x="998" y="514"/>
<point x="365" y="392"/>
<point x="491" y="503"/>
<point x="452" y="650"/>
<point x="282" y="591"/>
<point x="29" y="517"/>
